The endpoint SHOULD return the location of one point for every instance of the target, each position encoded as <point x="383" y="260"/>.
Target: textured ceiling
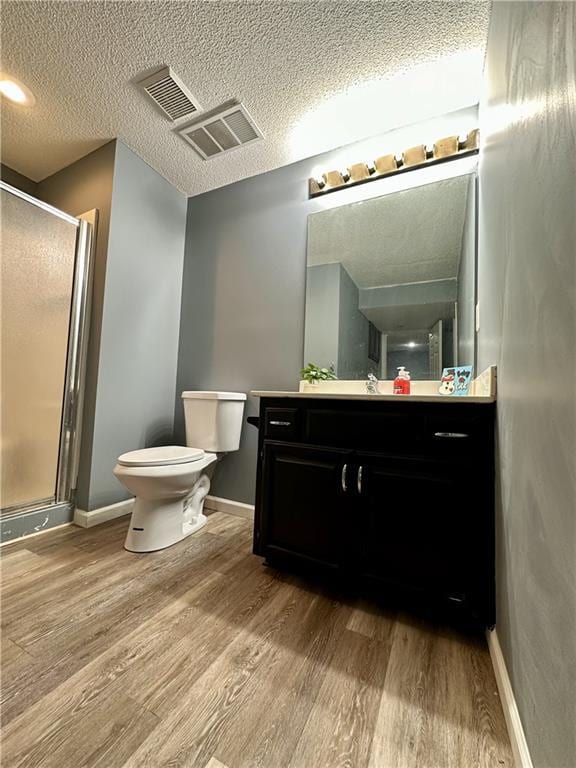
<point x="282" y="59"/>
<point x="405" y="237"/>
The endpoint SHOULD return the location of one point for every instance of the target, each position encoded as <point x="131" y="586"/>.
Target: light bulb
<point x="15" y="91"/>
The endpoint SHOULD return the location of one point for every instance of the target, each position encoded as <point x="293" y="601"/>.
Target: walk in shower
<point x="45" y="287"/>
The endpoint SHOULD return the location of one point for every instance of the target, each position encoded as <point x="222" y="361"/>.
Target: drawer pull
<point x="359" y="480"/>
<point x="451" y="434"/>
<point x="280" y="423"/>
<point x="343" y="478"/>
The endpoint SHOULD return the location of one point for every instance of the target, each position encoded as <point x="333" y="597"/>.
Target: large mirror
<point x="391" y="281"/>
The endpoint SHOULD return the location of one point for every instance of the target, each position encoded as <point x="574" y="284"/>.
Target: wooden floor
<point x="200" y="656"/>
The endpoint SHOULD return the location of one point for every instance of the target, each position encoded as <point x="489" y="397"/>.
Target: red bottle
<point x="402" y="382"/>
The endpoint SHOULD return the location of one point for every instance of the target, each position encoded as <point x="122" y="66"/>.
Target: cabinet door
<point x="302" y="503"/>
<point x="416" y="523"/>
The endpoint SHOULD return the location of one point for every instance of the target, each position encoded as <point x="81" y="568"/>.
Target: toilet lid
<point x="158" y="457"/>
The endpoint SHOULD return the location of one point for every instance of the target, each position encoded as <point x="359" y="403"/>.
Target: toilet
<point x="170" y="483"/>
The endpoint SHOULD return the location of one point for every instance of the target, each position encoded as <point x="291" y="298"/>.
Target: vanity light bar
<point x="448" y="148"/>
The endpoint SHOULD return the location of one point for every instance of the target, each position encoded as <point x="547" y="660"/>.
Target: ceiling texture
<point x="407" y="237"/>
<point x="286" y="61"/>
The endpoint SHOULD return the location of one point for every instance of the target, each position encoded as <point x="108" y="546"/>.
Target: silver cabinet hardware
<point x="359" y="480"/>
<point x="451" y="434"/>
<point x="280" y="423"/>
<point x="343" y="478"/>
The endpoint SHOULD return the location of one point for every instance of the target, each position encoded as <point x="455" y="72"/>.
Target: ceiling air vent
<point x="169" y="93"/>
<point x="221" y="130"/>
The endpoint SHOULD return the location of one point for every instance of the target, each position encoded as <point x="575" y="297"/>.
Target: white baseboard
<point x="86" y="519"/>
<point x="514" y="723"/>
<point x="238" y="508"/>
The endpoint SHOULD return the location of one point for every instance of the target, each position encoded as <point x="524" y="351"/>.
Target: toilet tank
<point x="213" y="420"/>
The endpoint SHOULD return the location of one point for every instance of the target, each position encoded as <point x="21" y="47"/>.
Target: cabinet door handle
<point x="359" y="480"/>
<point x="451" y="434"/>
<point x="280" y="423"/>
<point x="343" y="478"/>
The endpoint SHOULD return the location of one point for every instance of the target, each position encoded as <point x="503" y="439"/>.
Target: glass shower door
<point x="38" y="250"/>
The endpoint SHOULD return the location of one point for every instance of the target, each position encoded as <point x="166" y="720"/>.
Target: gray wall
<point x="336" y="332"/>
<point x="242" y="324"/>
<point x="82" y="186"/>
<point x="140" y="322"/>
<point x="136" y="309"/>
<point x="17" y="180"/>
<point x="409" y="294"/>
<point x="414" y="360"/>
<point x="353" y="332"/>
<point x="244" y="283"/>
<point x="467" y="281"/>
<point x="322" y="317"/>
<point x="527" y="293"/>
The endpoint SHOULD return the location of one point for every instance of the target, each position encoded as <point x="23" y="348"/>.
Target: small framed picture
<point x="456" y="380"/>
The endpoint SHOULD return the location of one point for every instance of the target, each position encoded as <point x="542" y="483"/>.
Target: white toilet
<point x="171" y="483"/>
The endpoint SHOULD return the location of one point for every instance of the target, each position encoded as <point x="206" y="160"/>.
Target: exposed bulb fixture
<point x="419" y="156"/>
<point x="17" y="92"/>
<point x="411" y="344"/>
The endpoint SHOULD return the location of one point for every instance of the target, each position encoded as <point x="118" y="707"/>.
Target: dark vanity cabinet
<point x="396" y="494"/>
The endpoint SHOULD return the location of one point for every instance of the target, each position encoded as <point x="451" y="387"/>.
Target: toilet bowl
<point x="170" y="483"/>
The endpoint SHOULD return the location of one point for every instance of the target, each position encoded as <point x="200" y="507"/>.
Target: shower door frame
<point x="76" y="355"/>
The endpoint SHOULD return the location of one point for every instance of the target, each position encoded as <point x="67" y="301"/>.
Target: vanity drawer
<point x="365" y="429"/>
<point x="440" y="430"/>
<point x="281" y="423"/>
<point x="456" y="435"/>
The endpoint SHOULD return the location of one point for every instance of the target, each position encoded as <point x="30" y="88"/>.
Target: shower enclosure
<point x="45" y="289"/>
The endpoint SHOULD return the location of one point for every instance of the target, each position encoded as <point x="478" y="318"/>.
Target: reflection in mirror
<point x="391" y="281"/>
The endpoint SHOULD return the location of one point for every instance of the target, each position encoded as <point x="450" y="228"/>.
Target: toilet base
<point x="158" y="523"/>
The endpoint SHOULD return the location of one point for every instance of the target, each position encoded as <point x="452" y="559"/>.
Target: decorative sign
<point x="456" y="381"/>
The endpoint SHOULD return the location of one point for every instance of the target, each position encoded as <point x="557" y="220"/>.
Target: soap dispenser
<point x="402" y="382"/>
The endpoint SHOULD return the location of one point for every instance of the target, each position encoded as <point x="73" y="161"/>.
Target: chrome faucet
<point x="372" y="385"/>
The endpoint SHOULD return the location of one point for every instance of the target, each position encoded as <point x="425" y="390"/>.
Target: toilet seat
<point x="166" y="455"/>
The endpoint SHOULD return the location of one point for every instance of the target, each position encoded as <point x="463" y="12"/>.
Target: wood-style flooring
<point x="201" y="656"/>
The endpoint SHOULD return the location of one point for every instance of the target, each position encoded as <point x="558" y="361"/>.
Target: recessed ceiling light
<point x="15" y="91"/>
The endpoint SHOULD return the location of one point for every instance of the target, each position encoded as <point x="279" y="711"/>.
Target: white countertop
<point x="380" y="398"/>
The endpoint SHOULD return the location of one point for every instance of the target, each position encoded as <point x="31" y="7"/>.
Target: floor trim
<point x="88" y="518"/>
<point x="238" y="508"/>
<point x="514" y="723"/>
